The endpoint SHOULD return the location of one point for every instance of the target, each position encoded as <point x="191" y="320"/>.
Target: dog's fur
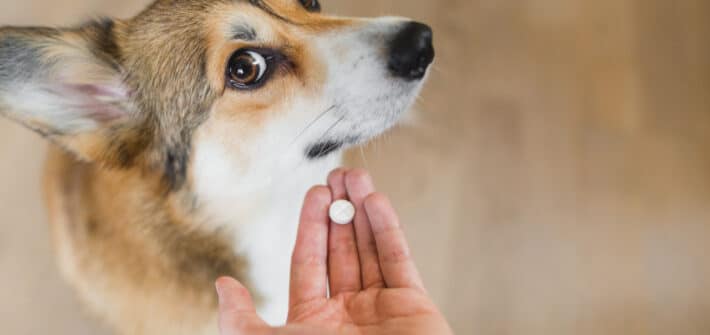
<point x="164" y="177"/>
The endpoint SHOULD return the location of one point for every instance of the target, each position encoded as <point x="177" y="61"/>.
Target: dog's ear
<point x="68" y="86"/>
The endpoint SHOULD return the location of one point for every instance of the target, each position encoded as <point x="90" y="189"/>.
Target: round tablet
<point x="342" y="212"/>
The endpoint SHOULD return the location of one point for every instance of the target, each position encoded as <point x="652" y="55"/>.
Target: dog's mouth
<point x="324" y="148"/>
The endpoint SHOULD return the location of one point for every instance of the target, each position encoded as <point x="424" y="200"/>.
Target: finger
<point x="359" y="185"/>
<point x="336" y="182"/>
<point x="396" y="263"/>
<point x="310" y="256"/>
<point x="237" y="314"/>
<point x="343" y="261"/>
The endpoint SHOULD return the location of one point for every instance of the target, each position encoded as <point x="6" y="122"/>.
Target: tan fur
<point x="133" y="255"/>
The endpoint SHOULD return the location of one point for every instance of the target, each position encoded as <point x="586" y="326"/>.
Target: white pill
<point x="342" y="212"/>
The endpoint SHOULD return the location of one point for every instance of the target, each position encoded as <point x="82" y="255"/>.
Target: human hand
<point x="374" y="285"/>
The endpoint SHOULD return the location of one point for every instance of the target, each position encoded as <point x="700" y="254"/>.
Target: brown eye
<point x="247" y="69"/>
<point x="311" y="5"/>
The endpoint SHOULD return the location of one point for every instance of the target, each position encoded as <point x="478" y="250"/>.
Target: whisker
<point x="312" y="123"/>
<point x="364" y="159"/>
<point x="302" y="163"/>
<point x="303" y="132"/>
<point x="438" y="69"/>
<point x="335" y="124"/>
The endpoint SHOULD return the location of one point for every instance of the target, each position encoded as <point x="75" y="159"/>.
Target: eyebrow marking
<point x="243" y="32"/>
<point x="263" y="6"/>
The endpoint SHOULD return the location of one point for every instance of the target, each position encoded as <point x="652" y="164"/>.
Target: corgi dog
<point x="185" y="138"/>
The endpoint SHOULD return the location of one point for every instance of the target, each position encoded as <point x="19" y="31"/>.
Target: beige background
<point x="557" y="180"/>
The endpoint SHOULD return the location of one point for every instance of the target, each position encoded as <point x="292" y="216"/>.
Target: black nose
<point x="412" y="51"/>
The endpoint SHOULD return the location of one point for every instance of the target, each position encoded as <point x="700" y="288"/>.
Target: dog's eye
<point x="311" y="5"/>
<point x="247" y="68"/>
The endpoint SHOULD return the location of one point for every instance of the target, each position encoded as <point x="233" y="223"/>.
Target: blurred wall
<point x="555" y="180"/>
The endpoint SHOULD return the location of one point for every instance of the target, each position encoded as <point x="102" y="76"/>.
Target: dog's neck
<point x="259" y="209"/>
<point x="231" y="196"/>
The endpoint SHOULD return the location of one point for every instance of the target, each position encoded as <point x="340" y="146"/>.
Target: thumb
<point x="237" y="314"/>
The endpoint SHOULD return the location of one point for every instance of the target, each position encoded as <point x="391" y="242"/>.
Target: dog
<point x="185" y="137"/>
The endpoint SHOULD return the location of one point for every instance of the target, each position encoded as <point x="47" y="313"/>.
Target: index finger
<point x="310" y="256"/>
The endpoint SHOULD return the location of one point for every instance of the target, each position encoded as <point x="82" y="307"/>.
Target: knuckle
<point x="343" y="247"/>
<point x="308" y="260"/>
<point x="389" y="229"/>
<point x="369" y="247"/>
<point x="396" y="256"/>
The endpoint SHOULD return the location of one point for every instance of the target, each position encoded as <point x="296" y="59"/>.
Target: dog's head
<point x="263" y="82"/>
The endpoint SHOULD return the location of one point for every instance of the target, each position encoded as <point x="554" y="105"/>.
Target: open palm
<point x="366" y="267"/>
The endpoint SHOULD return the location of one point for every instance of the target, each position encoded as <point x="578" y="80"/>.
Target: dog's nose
<point x="412" y="51"/>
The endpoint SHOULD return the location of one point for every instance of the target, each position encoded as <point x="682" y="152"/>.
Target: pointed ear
<point x="67" y="85"/>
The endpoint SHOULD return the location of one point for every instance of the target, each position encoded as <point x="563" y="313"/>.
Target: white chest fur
<point x="267" y="240"/>
<point x="260" y="206"/>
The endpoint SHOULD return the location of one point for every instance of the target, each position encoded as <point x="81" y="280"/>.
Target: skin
<point x="375" y="286"/>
